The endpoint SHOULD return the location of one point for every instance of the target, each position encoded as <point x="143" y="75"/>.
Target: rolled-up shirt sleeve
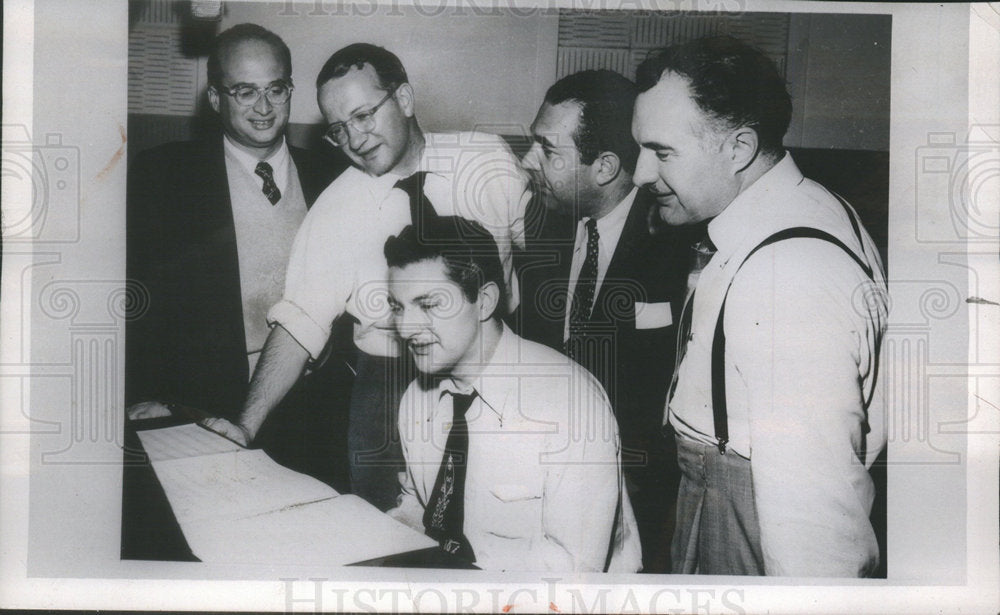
<point x="802" y="354"/>
<point x="319" y="279"/>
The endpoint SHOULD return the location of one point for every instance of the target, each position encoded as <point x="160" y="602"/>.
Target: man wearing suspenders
<point x="774" y="402"/>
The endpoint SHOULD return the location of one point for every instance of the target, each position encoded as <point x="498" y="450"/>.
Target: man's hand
<point x="231" y="431"/>
<point x="281" y="363"/>
<point x="147" y="410"/>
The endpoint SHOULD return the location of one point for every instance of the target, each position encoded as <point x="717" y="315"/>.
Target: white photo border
<point x="65" y="76"/>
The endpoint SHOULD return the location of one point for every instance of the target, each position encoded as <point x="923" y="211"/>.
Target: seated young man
<point x="512" y="451"/>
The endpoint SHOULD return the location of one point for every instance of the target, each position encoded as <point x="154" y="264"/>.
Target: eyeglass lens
<point x="363" y="121"/>
<point x="276" y="93"/>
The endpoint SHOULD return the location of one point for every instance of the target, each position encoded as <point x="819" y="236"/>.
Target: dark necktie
<point x="421" y="208"/>
<point x="444" y="515"/>
<point x="270" y="189"/>
<point x="583" y="294"/>
<point x="703" y="252"/>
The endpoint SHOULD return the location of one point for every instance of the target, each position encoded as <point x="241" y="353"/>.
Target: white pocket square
<point x="653" y="315"/>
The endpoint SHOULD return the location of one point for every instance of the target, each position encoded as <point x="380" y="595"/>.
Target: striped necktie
<point x="270" y="189"/>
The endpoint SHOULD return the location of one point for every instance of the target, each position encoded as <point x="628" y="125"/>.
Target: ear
<point x="743" y="147"/>
<point x="213" y="98"/>
<point x="607" y="166"/>
<point x="404" y="96"/>
<point x="489" y="298"/>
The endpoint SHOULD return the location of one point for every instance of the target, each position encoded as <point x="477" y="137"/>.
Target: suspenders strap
<point x="719" y="414"/>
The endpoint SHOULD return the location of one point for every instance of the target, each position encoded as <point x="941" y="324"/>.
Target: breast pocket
<point x="653" y="315"/>
<point x="516" y="510"/>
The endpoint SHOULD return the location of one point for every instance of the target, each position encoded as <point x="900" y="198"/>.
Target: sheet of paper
<point x="188" y="440"/>
<point x="332" y="532"/>
<point x="235" y="484"/>
<point x="237" y="505"/>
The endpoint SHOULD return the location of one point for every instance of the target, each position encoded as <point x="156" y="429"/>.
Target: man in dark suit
<point x="210" y="226"/>
<point x="601" y="286"/>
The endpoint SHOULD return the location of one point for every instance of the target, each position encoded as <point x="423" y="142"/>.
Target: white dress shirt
<point x="609" y="230"/>
<point x="337" y="262"/>
<point x="544" y="480"/>
<point x="803" y="326"/>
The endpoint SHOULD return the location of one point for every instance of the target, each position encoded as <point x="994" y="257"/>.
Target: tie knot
<point x="461" y="402"/>
<point x="591" y="226"/>
<point x="705" y="245"/>
<point x="421" y="209"/>
<point x="264" y="170"/>
<point x="412" y="185"/>
<point x="270" y="189"/>
<point x="704" y="248"/>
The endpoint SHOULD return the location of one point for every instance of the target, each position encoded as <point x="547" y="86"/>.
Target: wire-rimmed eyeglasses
<point x="246" y="95"/>
<point x="362" y="121"/>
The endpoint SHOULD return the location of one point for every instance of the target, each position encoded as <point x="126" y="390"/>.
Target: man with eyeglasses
<point x="401" y="175"/>
<point x="210" y="227"/>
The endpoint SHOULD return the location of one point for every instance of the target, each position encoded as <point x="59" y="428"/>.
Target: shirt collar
<point x="496" y="381"/>
<point x="612" y="222"/>
<point x="277" y="160"/>
<point x="752" y="206"/>
<point x="431" y="160"/>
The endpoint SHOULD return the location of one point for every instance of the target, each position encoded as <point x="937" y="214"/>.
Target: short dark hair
<point x="389" y="69"/>
<point x="606" y="99"/>
<point x="470" y="254"/>
<point x="733" y="83"/>
<point x="238" y="34"/>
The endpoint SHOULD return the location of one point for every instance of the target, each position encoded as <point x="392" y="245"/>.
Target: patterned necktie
<point x="421" y="207"/>
<point x="583" y="293"/>
<point x="270" y="189"/>
<point x="444" y="515"/>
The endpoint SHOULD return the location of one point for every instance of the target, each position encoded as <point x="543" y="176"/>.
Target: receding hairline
<point x="227" y="51"/>
<point x="734" y="84"/>
<point x="387" y="65"/>
<point x="707" y="123"/>
<point x="352" y="68"/>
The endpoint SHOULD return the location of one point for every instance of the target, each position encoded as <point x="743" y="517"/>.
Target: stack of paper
<point x="236" y="505"/>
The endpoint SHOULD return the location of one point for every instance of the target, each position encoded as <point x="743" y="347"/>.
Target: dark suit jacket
<point x="184" y="338"/>
<point x="633" y="364"/>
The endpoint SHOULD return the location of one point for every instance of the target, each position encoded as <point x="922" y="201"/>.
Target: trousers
<point x="375" y="457"/>
<point x="717" y="529"/>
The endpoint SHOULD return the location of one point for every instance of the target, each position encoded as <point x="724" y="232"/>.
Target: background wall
<point x="469" y="70"/>
<point x="466" y="69"/>
<point x="489" y="69"/>
<point x="838" y="76"/>
<point x="65" y="69"/>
